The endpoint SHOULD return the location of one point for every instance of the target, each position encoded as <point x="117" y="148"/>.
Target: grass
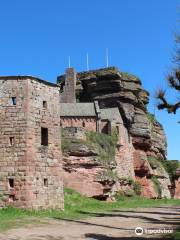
<point x="105" y="145"/>
<point x="129" y="75"/>
<point x="76" y="207"/>
<point x="176" y="235"/>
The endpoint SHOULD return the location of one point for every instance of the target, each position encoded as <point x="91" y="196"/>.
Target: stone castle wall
<point x="69" y="89"/>
<point x="30" y="172"/>
<point x="88" y="123"/>
<point x="46" y="165"/>
<point x="13" y="134"/>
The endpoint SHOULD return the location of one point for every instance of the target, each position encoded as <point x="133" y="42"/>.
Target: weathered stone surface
<point x="177" y="189"/>
<point x="112" y="88"/>
<point x="36" y="170"/>
<point x="177" y="185"/>
<point x="85" y="173"/>
<point x="158" y="139"/>
<point x="30" y="173"/>
<point x="141" y="165"/>
<point x="74" y="132"/>
<point x="81" y="160"/>
<point x="80" y="149"/>
<point x="148" y="190"/>
<point x="83" y="170"/>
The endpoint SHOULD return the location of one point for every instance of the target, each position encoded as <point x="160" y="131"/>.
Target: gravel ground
<point x="116" y="225"/>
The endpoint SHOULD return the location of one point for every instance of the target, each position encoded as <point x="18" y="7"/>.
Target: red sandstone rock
<point x="30" y="162"/>
<point x="177" y="189"/>
<point x="148" y="190"/>
<point x="140" y="134"/>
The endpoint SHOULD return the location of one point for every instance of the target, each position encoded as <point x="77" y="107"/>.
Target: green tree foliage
<point x="171" y="167"/>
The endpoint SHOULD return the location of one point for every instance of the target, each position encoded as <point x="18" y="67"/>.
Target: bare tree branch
<point x="174" y="83"/>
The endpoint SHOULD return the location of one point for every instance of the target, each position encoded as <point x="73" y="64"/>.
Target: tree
<point x="174" y="82"/>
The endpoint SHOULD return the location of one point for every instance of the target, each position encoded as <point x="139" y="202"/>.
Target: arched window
<point x="83" y="124"/>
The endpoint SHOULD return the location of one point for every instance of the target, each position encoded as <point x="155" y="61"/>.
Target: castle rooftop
<point x="77" y="109"/>
<point x="25" y="77"/>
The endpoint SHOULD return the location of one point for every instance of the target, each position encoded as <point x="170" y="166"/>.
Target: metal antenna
<point x="69" y="61"/>
<point x="107" y="58"/>
<point x="87" y="61"/>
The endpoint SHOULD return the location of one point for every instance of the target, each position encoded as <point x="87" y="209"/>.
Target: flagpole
<point x="87" y="61"/>
<point x="107" y="58"/>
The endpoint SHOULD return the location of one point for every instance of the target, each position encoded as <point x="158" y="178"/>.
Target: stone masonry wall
<point x="124" y="154"/>
<point x="13" y="147"/>
<point x="113" y="88"/>
<point x="45" y="169"/>
<point x="29" y="172"/>
<point x="88" y="123"/>
<point x="69" y="89"/>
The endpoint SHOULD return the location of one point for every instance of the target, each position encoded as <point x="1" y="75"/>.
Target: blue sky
<point x="36" y="38"/>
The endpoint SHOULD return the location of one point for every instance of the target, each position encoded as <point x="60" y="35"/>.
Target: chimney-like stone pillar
<point x="69" y="91"/>
<point x="98" y="116"/>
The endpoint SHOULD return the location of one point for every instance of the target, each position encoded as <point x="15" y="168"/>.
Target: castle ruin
<point x="30" y="155"/>
<point x="32" y="113"/>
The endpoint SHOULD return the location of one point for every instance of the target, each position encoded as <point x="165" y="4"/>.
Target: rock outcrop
<point x="112" y="88"/>
<point x="84" y="169"/>
<point x="141" y="146"/>
<point x="177" y="184"/>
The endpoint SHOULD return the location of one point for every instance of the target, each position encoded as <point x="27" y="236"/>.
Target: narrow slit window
<point x="11" y="141"/>
<point x="45" y="182"/>
<point x="83" y="124"/>
<point x="14" y="102"/>
<point x="11" y="183"/>
<point x="45" y="104"/>
<point x="44" y="136"/>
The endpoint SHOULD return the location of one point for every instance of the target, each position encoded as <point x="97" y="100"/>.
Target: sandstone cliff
<point x="112" y="88"/>
<point x="89" y="162"/>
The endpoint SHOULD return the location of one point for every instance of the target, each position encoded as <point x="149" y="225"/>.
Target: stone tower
<point x="30" y="153"/>
<point x="69" y="89"/>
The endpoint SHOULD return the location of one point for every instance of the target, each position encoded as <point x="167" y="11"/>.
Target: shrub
<point x="137" y="188"/>
<point x="129" y="193"/>
<point x="129" y="75"/>
<point x="157" y="186"/>
<point x="105" y="145"/>
<point x="171" y="167"/>
<point x="156" y="163"/>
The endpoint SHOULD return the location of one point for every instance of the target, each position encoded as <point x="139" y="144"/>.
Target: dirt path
<point x="117" y="225"/>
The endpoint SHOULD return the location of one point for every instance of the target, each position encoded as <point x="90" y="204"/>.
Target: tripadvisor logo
<point x="139" y="231"/>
